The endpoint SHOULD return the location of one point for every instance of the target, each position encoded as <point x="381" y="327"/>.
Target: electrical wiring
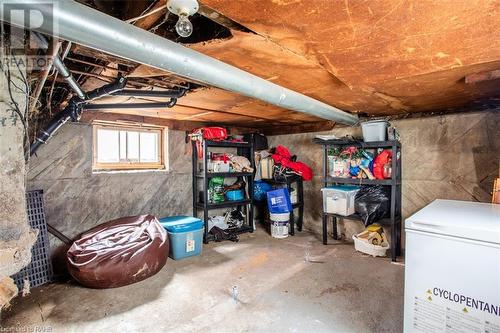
<point x="51" y="91"/>
<point x="165" y="19"/>
<point x="13" y="105"/>
<point x="133" y="20"/>
<point x="26" y="91"/>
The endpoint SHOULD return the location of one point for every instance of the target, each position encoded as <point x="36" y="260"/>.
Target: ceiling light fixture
<point x="183" y="9"/>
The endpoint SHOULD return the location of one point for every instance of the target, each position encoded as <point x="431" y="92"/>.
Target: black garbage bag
<point x="372" y="203"/>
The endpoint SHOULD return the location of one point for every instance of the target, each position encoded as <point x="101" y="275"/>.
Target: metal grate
<point x="39" y="271"/>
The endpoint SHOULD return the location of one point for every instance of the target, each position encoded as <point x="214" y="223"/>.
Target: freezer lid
<point x="471" y="220"/>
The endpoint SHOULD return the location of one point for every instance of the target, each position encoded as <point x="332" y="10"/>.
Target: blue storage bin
<point x="185" y="234"/>
<point x="181" y="223"/>
<point x="235" y="195"/>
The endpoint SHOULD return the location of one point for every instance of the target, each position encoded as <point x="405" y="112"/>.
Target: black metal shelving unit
<point x="203" y="177"/>
<point x="395" y="219"/>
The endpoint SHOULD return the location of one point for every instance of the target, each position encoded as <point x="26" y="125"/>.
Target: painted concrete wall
<point x="77" y="199"/>
<point x="447" y="157"/>
<point x="453" y="157"/>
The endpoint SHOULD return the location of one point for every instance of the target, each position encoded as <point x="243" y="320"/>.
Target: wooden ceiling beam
<point x="274" y="121"/>
<point x="203" y="110"/>
<point x="87" y="52"/>
<point x="181" y="125"/>
<point x="107" y="78"/>
<point x="95" y="65"/>
<point x="186" y="113"/>
<point x="484" y="76"/>
<point x="317" y="126"/>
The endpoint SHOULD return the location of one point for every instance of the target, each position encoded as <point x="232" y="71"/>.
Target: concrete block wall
<point x="447" y="157"/>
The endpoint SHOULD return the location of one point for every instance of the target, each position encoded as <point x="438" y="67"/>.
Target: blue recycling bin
<point x="185" y="234"/>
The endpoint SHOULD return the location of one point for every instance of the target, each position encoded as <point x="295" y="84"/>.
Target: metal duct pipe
<point x="66" y="74"/>
<point x="89" y="27"/>
<point x="66" y="50"/>
<point x="63" y="70"/>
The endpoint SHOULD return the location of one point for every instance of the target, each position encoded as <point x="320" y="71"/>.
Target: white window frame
<point x="162" y="163"/>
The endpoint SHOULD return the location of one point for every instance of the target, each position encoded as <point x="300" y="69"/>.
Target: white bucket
<point x="281" y="217"/>
<point x="279" y="225"/>
<point x="374" y="130"/>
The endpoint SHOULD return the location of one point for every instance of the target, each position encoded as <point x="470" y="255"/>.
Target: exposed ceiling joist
<point x="377" y="58"/>
<point x="181" y="125"/>
<point x="137" y="45"/>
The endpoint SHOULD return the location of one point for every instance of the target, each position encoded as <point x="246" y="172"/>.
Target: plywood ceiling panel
<point x="379" y="57"/>
<point x="389" y="52"/>
<point x="385" y="39"/>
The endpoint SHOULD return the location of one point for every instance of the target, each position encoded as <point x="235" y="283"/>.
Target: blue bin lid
<point x="181" y="223"/>
<point x="345" y="188"/>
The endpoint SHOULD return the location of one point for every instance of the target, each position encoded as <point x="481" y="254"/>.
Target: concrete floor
<point x="342" y="291"/>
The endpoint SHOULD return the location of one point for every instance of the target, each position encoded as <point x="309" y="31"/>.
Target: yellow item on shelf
<point x="373" y="234"/>
<point x="375" y="228"/>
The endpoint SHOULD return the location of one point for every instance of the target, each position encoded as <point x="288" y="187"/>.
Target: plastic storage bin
<point x="374" y="130"/>
<point x="294" y="198"/>
<point x="339" y="199"/>
<point x="185" y="234"/>
<point x="373" y="250"/>
<point x="235" y="195"/>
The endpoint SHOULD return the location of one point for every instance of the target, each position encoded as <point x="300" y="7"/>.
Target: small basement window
<point x="138" y="147"/>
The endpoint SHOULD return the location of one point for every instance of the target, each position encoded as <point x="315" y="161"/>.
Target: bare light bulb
<point x="183" y="26"/>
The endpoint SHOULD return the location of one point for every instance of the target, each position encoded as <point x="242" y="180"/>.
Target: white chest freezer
<point x="452" y="268"/>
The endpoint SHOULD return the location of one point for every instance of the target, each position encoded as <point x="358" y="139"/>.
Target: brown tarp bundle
<point x="119" y="252"/>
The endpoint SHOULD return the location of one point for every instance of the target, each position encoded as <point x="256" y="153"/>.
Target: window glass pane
<point x="132" y="146"/>
<point x="123" y="145"/>
<point x="125" y="148"/>
<point x="107" y="146"/>
<point x="149" y="147"/>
